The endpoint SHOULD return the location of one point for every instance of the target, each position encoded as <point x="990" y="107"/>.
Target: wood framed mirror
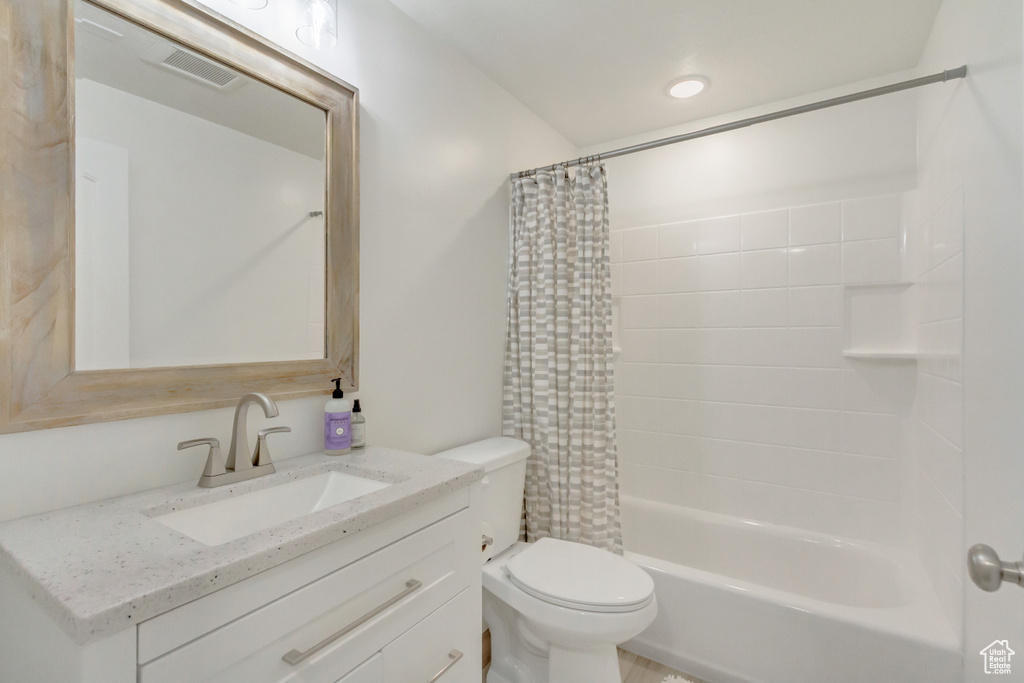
<point x="42" y="382"/>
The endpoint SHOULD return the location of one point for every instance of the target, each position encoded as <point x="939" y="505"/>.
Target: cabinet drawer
<point x="251" y="648"/>
<point x="369" y="671"/>
<point x="448" y="640"/>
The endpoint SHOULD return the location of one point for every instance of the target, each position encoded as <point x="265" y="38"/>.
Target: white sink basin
<point x="225" y="520"/>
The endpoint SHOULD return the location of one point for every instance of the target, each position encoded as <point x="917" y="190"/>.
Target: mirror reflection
<point x="199" y="200"/>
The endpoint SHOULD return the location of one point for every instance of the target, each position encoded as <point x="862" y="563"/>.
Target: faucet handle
<point x="262" y="454"/>
<point x="214" y="461"/>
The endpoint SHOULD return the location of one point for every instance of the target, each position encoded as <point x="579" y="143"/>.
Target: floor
<point x="633" y="668"/>
<point x="637" y="669"/>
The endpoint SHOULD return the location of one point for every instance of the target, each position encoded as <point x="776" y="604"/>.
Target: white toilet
<point x="556" y="609"/>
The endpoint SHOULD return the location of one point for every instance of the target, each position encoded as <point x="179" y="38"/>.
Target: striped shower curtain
<point x="558" y="387"/>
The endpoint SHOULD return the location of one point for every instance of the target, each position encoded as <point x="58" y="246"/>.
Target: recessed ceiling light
<point x="687" y="86"/>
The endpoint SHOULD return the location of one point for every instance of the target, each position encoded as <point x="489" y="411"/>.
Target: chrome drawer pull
<point x="295" y="657"/>
<point x="455" y="656"/>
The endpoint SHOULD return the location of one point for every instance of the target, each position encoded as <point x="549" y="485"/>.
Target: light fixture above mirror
<point x="317" y="23"/>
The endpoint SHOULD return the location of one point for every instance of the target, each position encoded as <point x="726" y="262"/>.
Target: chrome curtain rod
<point x="940" y="77"/>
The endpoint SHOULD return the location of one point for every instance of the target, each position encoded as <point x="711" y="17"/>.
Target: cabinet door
<point x="370" y="671"/>
<point x="447" y="641"/>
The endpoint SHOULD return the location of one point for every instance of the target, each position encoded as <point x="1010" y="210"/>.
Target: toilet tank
<point x="504" y="461"/>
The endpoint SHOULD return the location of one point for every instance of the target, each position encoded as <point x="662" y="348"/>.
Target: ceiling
<point x="598" y="70"/>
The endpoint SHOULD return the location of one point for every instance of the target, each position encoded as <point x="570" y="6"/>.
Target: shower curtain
<point x="558" y="385"/>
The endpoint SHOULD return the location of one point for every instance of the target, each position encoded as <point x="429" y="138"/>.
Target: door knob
<point x="988" y="572"/>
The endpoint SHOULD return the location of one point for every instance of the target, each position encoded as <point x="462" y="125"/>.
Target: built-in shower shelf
<point x="878" y="322"/>
<point x="879" y="354"/>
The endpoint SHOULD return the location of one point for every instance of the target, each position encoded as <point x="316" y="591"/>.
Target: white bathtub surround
<point x="737" y="388"/>
<point x="937" y="468"/>
<point x="968" y="474"/>
<point x="100" y="567"/>
<point x="749" y="601"/>
<point x="936" y="220"/>
<point x="558" y="355"/>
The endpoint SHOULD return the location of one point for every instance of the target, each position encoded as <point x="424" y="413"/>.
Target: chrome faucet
<point x="241" y="464"/>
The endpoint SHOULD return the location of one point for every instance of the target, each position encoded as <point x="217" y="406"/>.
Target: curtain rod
<point x="940" y="77"/>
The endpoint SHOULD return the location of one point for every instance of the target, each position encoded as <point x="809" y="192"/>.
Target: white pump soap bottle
<point x="338" y="422"/>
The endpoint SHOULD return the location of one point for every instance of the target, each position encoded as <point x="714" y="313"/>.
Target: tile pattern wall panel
<point x="936" y="237"/>
<point x="733" y="391"/>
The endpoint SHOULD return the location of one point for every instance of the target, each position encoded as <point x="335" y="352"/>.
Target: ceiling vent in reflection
<point x="193" y="66"/>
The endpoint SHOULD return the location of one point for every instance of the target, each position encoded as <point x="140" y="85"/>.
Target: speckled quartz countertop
<point x="102" y="567"/>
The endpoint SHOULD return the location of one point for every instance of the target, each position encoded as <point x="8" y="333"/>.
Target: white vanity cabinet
<point x="397" y="602"/>
<point x="370" y="671"/>
<point x="420" y="656"/>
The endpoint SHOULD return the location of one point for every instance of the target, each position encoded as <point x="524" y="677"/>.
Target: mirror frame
<point x="39" y="388"/>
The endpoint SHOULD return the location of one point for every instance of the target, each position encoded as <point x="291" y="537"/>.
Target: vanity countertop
<point x="102" y="567"/>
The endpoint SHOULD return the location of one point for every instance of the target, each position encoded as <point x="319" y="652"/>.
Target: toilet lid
<point x="580" y="576"/>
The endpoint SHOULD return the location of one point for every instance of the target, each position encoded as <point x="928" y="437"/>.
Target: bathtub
<point x="749" y="602"/>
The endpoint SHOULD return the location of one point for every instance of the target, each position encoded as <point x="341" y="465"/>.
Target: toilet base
<point x="566" y="667"/>
<point x="593" y="666"/>
<point x="518" y="656"/>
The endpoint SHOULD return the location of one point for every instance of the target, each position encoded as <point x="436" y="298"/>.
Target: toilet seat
<point x="580" y="577"/>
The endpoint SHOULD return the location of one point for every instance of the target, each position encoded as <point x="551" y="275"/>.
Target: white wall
<point x="860" y="149"/>
<point x="732" y="389"/>
<point x="225" y="264"/>
<point x="102" y="237"/>
<point x="935" y="257"/>
<point x="437" y="140"/>
<point x="971" y="139"/>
